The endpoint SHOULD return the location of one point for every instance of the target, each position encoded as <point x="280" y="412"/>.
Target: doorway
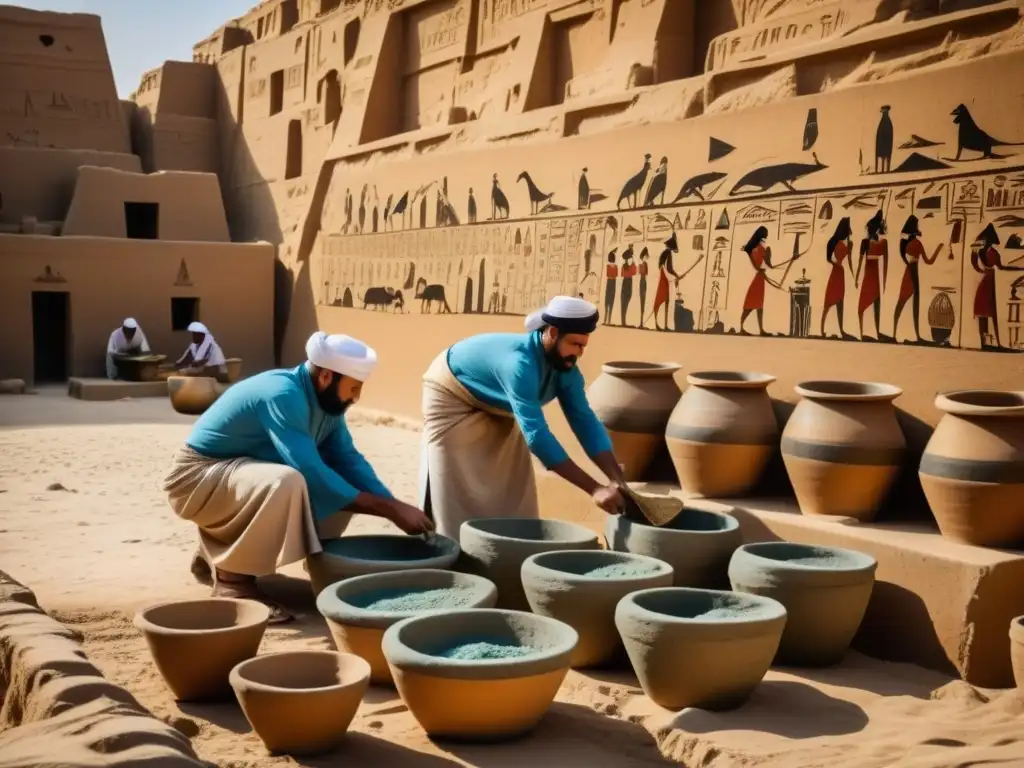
<point x="50" y="335"/>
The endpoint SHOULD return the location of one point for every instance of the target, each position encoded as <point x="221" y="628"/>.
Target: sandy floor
<point x="83" y="524"/>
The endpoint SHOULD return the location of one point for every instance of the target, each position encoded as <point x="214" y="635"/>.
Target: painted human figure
<point x="874" y="261"/>
<point x="912" y="252"/>
<point x="985" y="259"/>
<point x="611" y="278"/>
<point x="760" y="255"/>
<point x="837" y="253"/>
<point x="628" y="271"/>
<point x="661" y="293"/>
<point x="643" y="269"/>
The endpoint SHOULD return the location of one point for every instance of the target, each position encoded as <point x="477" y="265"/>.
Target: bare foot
<point x="247" y="590"/>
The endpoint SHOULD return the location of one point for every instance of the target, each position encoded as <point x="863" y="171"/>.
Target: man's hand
<point x="609" y="498"/>
<point x="410" y="519"/>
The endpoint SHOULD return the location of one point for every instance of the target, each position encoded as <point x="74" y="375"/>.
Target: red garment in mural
<point x="871" y="285"/>
<point x="755" y="293"/>
<point x="835" y="288"/>
<point x="612" y="272"/>
<point x="661" y="294"/>
<point x="985" y="295"/>
<point x="915" y="252"/>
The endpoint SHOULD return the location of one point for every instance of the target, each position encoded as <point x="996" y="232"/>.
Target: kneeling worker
<point x="482" y="418"/>
<point x="203" y="357"/>
<point x="126" y="340"/>
<point x="270" y="470"/>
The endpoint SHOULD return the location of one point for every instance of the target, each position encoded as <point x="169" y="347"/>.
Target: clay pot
<point x="1017" y="650"/>
<point x="192" y="395"/>
<point x="233" y="369"/>
<point x="496" y="547"/>
<point x="843" y="447"/>
<point x="563" y="585"/>
<point x="722" y="432"/>
<point x="633" y="400"/>
<point x="351" y="556"/>
<point x="138" y="367"/>
<point x="195" y="643"/>
<point x="825" y="590"/>
<point x="697" y="544"/>
<point x="699" y="647"/>
<point x="478" y="699"/>
<point x="301" y="702"/>
<point x="972" y="470"/>
<point x="358" y="628"/>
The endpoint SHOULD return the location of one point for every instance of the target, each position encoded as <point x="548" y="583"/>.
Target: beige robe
<point x="474" y="461"/>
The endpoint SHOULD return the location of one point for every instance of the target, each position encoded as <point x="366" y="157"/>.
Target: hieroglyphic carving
<point x="54" y="104"/>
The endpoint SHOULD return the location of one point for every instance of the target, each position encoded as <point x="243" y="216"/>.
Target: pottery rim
<point x="634" y="369"/>
<point x="260" y="614"/>
<point x="774" y="610"/>
<point x="730" y="379"/>
<point x="731" y="524"/>
<point x="1017" y="629"/>
<point x="353" y="671"/>
<point x="582" y="535"/>
<point x="850" y="391"/>
<point x="981" y="402"/>
<point x="858" y="561"/>
<point x="443" y="546"/>
<point x="614" y="557"/>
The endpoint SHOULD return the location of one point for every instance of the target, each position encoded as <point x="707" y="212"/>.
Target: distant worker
<point x="126" y="340"/>
<point x="270" y="470"/>
<point x="482" y="418"/>
<point x="203" y="356"/>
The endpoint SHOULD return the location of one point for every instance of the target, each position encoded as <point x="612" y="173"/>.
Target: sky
<point x="143" y="34"/>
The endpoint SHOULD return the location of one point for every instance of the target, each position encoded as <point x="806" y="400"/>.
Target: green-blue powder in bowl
<point x="485" y="651"/>
<point x="622" y="570"/>
<point x="412" y="599"/>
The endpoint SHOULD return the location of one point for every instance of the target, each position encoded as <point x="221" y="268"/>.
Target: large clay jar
<point x="582" y="588"/>
<point x="699" y="647"/>
<point x="633" y="400"/>
<point x="301" y="702"/>
<point x="825" y="590"/>
<point x="496" y="547"/>
<point x="843" y="447"/>
<point x="697" y="544"/>
<point x="480" y="674"/>
<point x="972" y="470"/>
<point x="1017" y="650"/>
<point x="196" y="643"/>
<point x="350" y="556"/>
<point x="722" y="432"/>
<point x="192" y="395"/>
<point x="360" y="609"/>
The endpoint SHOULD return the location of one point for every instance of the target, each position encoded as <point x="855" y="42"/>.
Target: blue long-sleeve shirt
<point x="274" y="416"/>
<point x="508" y="371"/>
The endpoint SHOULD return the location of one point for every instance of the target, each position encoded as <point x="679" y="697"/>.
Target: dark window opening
<point x="259" y="28"/>
<point x="184" y="311"/>
<point x="351" y="40"/>
<point x="293" y="160"/>
<point x="142" y="221"/>
<point x="46" y="40"/>
<point x="276" y="91"/>
<point x="51" y="318"/>
<point x="326" y="6"/>
<point x="332" y="97"/>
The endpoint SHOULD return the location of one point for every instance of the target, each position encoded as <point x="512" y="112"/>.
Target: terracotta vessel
<point x="699" y="647"/>
<point x="192" y="395"/>
<point x="722" y="432"/>
<point x="196" y="643"/>
<point x="825" y="590"/>
<point x="357" y="626"/>
<point x="972" y="470"/>
<point x="478" y="699"/>
<point x="496" y="547"/>
<point x="1017" y="650"/>
<point x="233" y="369"/>
<point x="697" y="544"/>
<point x="376" y="553"/>
<point x="843" y="447"/>
<point x="301" y="702"/>
<point x="138" y="368"/>
<point x="633" y="400"/>
<point x="570" y="586"/>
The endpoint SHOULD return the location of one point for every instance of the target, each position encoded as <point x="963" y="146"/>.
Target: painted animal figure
<point x="764" y="178"/>
<point x="883" y="142"/>
<point x="428" y="294"/>
<point x="499" y="203"/>
<point x="694" y="187"/>
<point x="536" y="195"/>
<point x="399" y="209"/>
<point x="379" y="296"/>
<point x="971" y="136"/>
<point x="631" y="189"/>
<point x="657" y="189"/>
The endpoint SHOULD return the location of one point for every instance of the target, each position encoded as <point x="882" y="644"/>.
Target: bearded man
<point x="483" y="417"/>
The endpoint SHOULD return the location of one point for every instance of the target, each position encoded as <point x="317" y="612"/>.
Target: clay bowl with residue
<point x="825" y="590"/>
<point x="196" y="643"/>
<point x="301" y="702"/>
<point x="583" y="587"/>
<point x="351" y="556"/>
<point x="496" y="547"/>
<point x="696" y="543"/>
<point x="699" y="647"/>
<point x="360" y="609"/>
<point x="479" y="675"/>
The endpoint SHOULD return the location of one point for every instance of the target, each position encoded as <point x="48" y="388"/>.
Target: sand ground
<point x="82" y="522"/>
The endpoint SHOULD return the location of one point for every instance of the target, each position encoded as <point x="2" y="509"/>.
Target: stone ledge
<point x="58" y="710"/>
<point x="104" y="389"/>
<point x="937" y="603"/>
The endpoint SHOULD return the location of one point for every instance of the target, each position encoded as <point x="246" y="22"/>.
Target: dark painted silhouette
<point x="884" y="142"/>
<point x="399" y="209"/>
<point x="642" y="269"/>
<point x="764" y="178"/>
<point x="916" y="142"/>
<point x="718" y="149"/>
<point x="971" y="136"/>
<point x="656" y="191"/>
<point x="985" y="260"/>
<point x="387" y="210"/>
<point x="838" y="251"/>
<point x="611" y="278"/>
<point x="626" y="294"/>
<point x="499" y="203"/>
<point x="665" y="268"/>
<point x="471" y="207"/>
<point x="811" y="129"/>
<point x="378" y="297"/>
<point x="362" y="208"/>
<point x="536" y="195"/>
<point x="916" y="162"/>
<point x="912" y="252"/>
<point x="428" y="294"/>
<point x="760" y="255"/>
<point x="694" y="187"/>
<point x="631" y="189"/>
<point x="583" y="195"/>
<point x="874" y="260"/>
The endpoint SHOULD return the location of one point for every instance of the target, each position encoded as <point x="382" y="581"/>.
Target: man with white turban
<point x="203" y="357"/>
<point x="128" y="339"/>
<point x="271" y="469"/>
<point x="483" y="417"/>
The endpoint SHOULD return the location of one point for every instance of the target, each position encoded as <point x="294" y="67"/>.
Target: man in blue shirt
<point x="483" y="417"/>
<point x="270" y="469"/>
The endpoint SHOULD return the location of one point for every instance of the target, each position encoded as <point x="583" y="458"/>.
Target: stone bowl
<point x="192" y="395"/>
<point x="196" y="643"/>
<point x="697" y="544"/>
<point x="301" y="702"/>
<point x="582" y="588"/>
<point x="1017" y="650"/>
<point x="351" y="556"/>
<point x="357" y="619"/>
<point x="825" y="590"/>
<point x="496" y="547"/>
<point x="699" y="647"/>
<point x="474" y="697"/>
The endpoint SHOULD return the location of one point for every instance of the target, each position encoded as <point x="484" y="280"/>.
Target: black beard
<point x="558" y="362"/>
<point x="329" y="400"/>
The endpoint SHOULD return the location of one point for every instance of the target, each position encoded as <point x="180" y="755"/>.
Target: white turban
<point x="567" y="314"/>
<point x="129" y="322"/>
<point x="197" y="328"/>
<point x="341" y="354"/>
